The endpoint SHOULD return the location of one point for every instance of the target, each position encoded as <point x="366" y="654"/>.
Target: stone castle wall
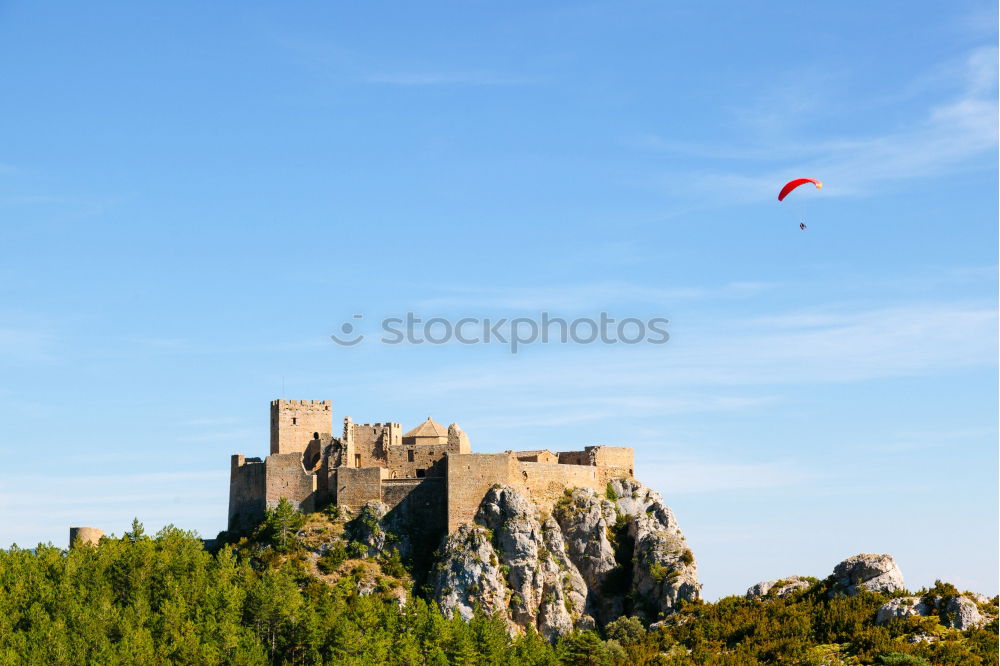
<point x="285" y="477"/>
<point x="246" y="493"/>
<point x="356" y="486"/>
<point x="417" y="461"/>
<point x="370" y="443"/>
<point x="471" y="475"/>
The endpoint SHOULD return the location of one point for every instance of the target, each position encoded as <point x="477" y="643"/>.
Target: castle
<point x="429" y="474"/>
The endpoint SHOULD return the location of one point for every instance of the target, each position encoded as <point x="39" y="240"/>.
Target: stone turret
<point x="84" y="536"/>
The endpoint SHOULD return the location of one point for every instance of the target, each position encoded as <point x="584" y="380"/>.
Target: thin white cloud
<point x="443" y="78"/>
<point x="950" y="136"/>
<point x="577" y="297"/>
<point x="26" y="345"/>
<point x="801" y="347"/>
<point x="683" y="477"/>
<point x="222" y="436"/>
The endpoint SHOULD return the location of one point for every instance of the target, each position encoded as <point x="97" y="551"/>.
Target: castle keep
<point x="428" y="474"/>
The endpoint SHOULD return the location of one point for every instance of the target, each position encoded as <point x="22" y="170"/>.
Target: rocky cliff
<point x="597" y="557"/>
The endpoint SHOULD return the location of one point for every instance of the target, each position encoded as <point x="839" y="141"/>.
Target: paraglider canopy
<point x="791" y="185"/>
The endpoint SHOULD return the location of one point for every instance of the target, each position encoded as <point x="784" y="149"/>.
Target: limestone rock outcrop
<point x="596" y="558"/>
<point x="956" y="612"/>
<point x="867" y="571"/>
<point x="901" y="607"/>
<point x="366" y="528"/>
<point x="469" y="574"/>
<point x="777" y="589"/>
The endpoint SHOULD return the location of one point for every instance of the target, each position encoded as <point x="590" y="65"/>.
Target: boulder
<point x="867" y="571"/>
<point x="777" y="589"/>
<point x="962" y="613"/>
<point x="903" y="607"/>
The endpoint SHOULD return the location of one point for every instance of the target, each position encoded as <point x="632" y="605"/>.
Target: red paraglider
<point x="791" y="185"/>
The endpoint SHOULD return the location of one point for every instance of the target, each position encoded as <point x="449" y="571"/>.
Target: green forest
<point x="165" y="599"/>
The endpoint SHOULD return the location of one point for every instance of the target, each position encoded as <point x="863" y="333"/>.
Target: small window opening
<point x="295" y="421"/>
<point x="409" y="456"/>
<point x="357" y="460"/>
<point x="421" y="473"/>
<point x="315" y="435"/>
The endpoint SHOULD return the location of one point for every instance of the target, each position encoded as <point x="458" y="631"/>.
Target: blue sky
<point x="193" y="198"/>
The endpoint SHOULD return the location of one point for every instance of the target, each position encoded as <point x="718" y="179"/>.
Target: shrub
<point x="626" y="630"/>
<point x="333" y="558"/>
<point x="900" y="659"/>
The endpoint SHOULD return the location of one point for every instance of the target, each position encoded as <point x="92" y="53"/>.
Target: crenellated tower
<point x="296" y="423"/>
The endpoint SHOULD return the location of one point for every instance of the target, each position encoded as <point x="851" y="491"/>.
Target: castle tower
<point x="84" y="536"/>
<point x="295" y="423"/>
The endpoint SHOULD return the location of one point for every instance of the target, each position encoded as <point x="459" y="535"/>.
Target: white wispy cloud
<point x="443" y="78"/>
<point x="947" y="137"/>
<point x="220" y="436"/>
<point x="681" y="477"/>
<point x="815" y="346"/>
<point x="27" y="345"/>
<point x="349" y="64"/>
<point x="574" y="297"/>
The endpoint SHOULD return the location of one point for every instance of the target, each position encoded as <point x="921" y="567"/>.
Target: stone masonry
<point x="428" y="474"/>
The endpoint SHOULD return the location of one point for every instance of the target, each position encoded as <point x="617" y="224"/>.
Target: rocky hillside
<point x="594" y="559"/>
<point x="609" y="578"/>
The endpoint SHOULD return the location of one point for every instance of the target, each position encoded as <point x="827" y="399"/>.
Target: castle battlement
<point x="429" y="472"/>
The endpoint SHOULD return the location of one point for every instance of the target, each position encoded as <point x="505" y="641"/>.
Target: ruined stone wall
<point x="619" y="457"/>
<point x="312" y="458"/>
<point x="295" y="423"/>
<point x="326" y="474"/>
<point x="469" y="476"/>
<point x="407" y="460"/>
<point x="537" y="456"/>
<point x="246" y="493"/>
<point x="575" y="458"/>
<point x="417" y="508"/>
<point x="372" y="442"/>
<point x="358" y="486"/>
<point x="458" y="441"/>
<point x="545" y="482"/>
<point x="285" y="477"/>
<point x="423" y="499"/>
